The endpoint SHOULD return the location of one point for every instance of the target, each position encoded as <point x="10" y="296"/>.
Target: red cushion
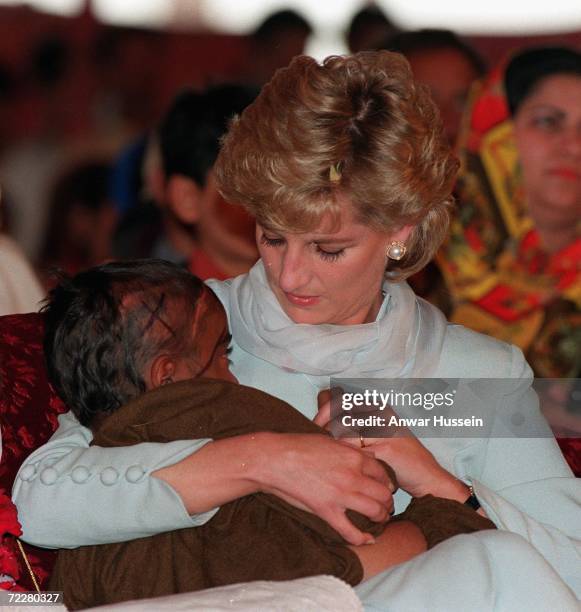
<point x="28" y="409"/>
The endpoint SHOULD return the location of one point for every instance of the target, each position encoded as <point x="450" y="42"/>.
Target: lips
<point x="302" y="300"/>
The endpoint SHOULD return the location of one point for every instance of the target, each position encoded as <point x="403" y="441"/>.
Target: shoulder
<point x="470" y="354"/>
<point x="221" y="289"/>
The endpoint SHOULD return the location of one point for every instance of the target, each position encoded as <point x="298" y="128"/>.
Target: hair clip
<point x="335" y="172"/>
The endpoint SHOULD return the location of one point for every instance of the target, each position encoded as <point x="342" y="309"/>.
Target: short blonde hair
<point x="357" y="126"/>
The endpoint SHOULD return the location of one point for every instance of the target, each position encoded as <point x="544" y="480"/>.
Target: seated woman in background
<point x="346" y="169"/>
<point x="513" y="259"/>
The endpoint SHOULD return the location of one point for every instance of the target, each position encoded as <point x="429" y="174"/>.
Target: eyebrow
<point x="547" y="107"/>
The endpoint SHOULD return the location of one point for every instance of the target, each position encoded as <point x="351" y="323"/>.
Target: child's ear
<point x="183" y="197"/>
<point x="161" y="372"/>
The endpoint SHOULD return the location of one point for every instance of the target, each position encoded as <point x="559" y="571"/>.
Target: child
<point x="139" y="351"/>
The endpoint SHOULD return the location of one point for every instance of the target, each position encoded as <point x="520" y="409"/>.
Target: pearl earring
<point x="396" y="250"/>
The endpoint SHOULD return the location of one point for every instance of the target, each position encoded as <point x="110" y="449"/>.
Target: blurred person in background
<point x="20" y="290"/>
<point x="274" y="43"/>
<point x="123" y="63"/>
<point x="368" y="29"/>
<point x="513" y="260"/>
<point x="28" y="167"/>
<point x="81" y="220"/>
<point x="448" y="66"/>
<point x="186" y="220"/>
<point x="444" y="62"/>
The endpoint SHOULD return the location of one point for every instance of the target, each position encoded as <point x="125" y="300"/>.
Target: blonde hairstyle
<point x="357" y="126"/>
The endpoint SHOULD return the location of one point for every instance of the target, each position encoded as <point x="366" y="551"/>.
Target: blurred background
<point x="81" y="81"/>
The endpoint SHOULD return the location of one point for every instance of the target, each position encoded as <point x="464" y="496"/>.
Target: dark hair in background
<point x="50" y="61"/>
<point x="363" y="21"/>
<point x="190" y="132"/>
<point x="527" y="68"/>
<point x="430" y="39"/>
<point x="105" y="325"/>
<point x="87" y="186"/>
<point x="274" y="25"/>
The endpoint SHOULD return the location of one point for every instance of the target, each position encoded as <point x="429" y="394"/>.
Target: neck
<point x="374" y="309"/>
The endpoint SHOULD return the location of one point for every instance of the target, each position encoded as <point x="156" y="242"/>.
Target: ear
<point x="184" y="197"/>
<point x="402" y="234"/>
<point x="162" y="372"/>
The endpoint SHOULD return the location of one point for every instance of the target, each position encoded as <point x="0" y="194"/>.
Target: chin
<point x="304" y="316"/>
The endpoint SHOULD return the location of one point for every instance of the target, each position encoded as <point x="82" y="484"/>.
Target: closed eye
<point x="330" y="255"/>
<point x="273" y="242"/>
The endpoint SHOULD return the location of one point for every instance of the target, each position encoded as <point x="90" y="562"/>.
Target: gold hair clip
<point x="335" y="172"/>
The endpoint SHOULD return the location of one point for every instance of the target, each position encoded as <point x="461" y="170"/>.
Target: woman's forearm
<point x="220" y="472"/>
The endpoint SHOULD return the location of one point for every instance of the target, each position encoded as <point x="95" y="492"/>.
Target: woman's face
<point x="327" y="276"/>
<point x="548" y="137"/>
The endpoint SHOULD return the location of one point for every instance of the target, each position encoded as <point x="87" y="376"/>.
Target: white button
<point x="80" y="474"/>
<point x="134" y="473"/>
<point x="49" y="476"/>
<point x="109" y="476"/>
<point x="28" y="472"/>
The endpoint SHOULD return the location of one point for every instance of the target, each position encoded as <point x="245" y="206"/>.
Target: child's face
<point x="210" y="339"/>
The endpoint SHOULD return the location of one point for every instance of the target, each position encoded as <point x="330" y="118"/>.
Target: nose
<point x="294" y="269"/>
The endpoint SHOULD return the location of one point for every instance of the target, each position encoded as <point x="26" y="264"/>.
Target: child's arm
<point x="400" y="542"/>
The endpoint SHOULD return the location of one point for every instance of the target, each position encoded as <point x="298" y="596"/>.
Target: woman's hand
<point x="416" y="468"/>
<point x="325" y="477"/>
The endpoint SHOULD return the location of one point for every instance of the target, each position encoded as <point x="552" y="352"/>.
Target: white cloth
<point x="20" y="290"/>
<point x="314" y="594"/>
<point x="262" y="329"/>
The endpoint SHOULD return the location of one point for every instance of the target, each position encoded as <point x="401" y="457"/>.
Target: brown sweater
<point x="255" y="537"/>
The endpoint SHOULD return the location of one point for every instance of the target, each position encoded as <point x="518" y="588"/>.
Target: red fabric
<point x="202" y="266"/>
<point x="28" y="409"/>
<point x="571" y="449"/>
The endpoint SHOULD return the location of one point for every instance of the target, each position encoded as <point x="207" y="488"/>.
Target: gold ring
<point x="361" y="440"/>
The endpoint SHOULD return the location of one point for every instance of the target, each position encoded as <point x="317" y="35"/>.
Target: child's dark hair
<point x="104" y="326"/>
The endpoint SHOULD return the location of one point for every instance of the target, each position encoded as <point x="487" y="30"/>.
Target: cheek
<point x="271" y="258"/>
<point x="359" y="283"/>
<point x="533" y="151"/>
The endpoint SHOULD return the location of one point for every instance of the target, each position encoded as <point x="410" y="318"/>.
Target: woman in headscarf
<point x="513" y="259"/>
